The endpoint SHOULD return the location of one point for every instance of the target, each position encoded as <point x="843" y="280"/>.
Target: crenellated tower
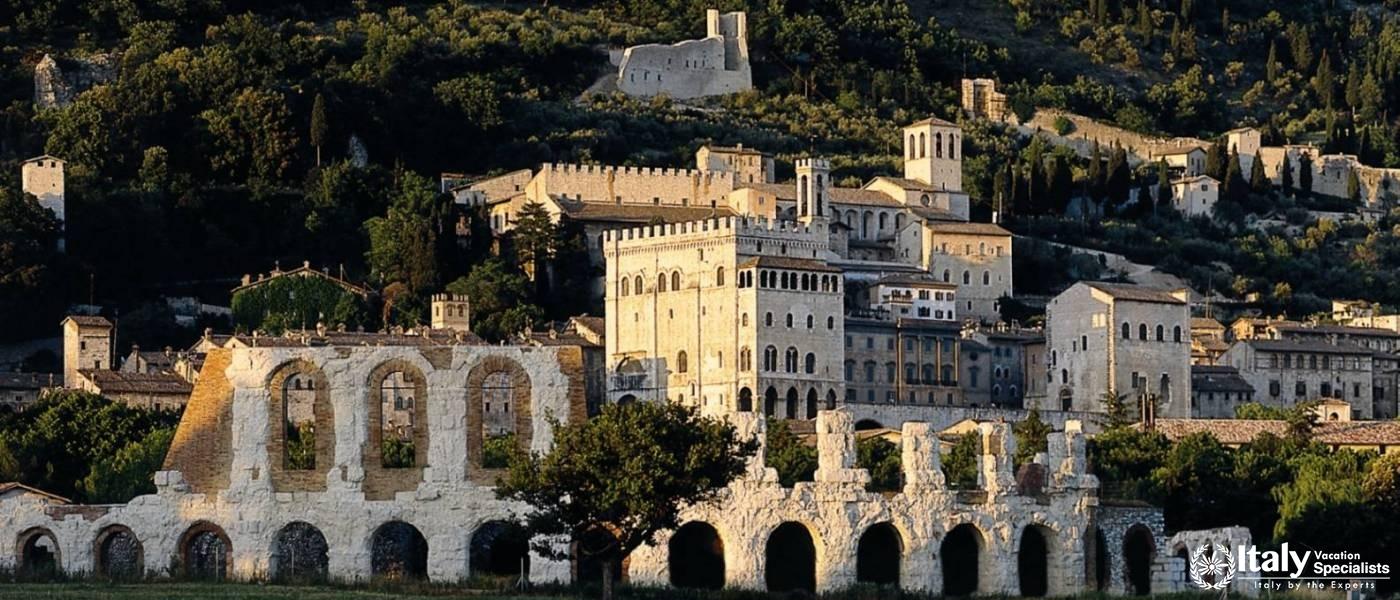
<point x="813" y="189"/>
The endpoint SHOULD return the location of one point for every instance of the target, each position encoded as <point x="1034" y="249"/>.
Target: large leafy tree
<point x="30" y="279"/>
<point x="613" y="482"/>
<point x="500" y="300"/>
<point x="410" y="244"/>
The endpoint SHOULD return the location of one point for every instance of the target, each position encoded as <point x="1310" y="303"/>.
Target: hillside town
<point x="929" y="372"/>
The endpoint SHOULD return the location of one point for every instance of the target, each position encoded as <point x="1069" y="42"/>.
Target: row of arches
<point x="790" y="405"/>
<point x="870" y="223"/>
<point x="1160" y="331"/>
<point x="695" y="558"/>
<point x="921" y="150"/>
<point x="298" y="553"/>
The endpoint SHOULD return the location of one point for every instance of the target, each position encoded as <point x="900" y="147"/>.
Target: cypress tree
<point x="1353" y="186"/>
<point x="1305" y="175"/>
<point x="1271" y="65"/>
<point x="1215" y="160"/>
<point x="1258" y="180"/>
<point x="1286" y="175"/>
<point x="1144" y="21"/>
<point x="1353" y="97"/>
<point x="319" y="128"/>
<point x="1323" y="80"/>
<point x="1164" y="186"/>
<point x="1234" y="178"/>
<point x="1095" y="174"/>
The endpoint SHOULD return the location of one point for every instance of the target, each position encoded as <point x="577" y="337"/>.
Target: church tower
<point x="813" y="188"/>
<point x="933" y="154"/>
<point x="451" y="311"/>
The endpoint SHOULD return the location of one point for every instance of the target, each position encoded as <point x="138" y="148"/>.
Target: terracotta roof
<point x="908" y="184"/>
<point x="781" y="191"/>
<point x="863" y="197"/>
<point x="28" y="381"/>
<point x="88" y="320"/>
<point x="1242" y="431"/>
<point x="118" y="382"/>
<point x="1205" y="323"/>
<point x="969" y="228"/>
<point x="641" y="213"/>
<point x="1212" y="378"/>
<point x="787" y="262"/>
<point x="1301" y="346"/>
<point x="930" y="213"/>
<point x="10" y="486"/>
<point x="932" y="121"/>
<point x="1304" y="328"/>
<point x="1179" y="150"/>
<point x="1135" y="293"/>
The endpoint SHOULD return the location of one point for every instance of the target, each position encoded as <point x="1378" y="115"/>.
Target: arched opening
<point x="398" y="551"/>
<point x="1066" y="399"/>
<point x="791" y="403"/>
<point x="790" y="559"/>
<point x="960" y="554"/>
<point x="878" y="555"/>
<point x="831" y="399"/>
<point x="38" y="553"/>
<point x="770" y="401"/>
<point x="397" y="420"/>
<point x="119" y="554"/>
<point x="498" y="410"/>
<point x="626" y="399"/>
<point x="696" y="557"/>
<point x="1032" y="562"/>
<point x="1139" y="550"/>
<point x="299" y="414"/>
<point x="1101" y="566"/>
<point x="299" y="554"/>
<point x="745" y="400"/>
<point x="812" y="403"/>
<point x="204" y="552"/>
<point x="500" y="551"/>
<point x="865" y="424"/>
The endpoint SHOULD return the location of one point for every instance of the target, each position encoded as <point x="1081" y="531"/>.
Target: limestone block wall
<point x="685" y="70"/>
<point x="631" y="185"/>
<point x="837" y="512"/>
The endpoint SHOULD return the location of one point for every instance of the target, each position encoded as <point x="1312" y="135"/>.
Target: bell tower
<point x="813" y="188"/>
<point x="933" y="153"/>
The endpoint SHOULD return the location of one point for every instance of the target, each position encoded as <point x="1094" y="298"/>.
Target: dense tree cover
<point x="31" y="295"/>
<point x="613" y="482"/>
<point x="85" y="447"/>
<point x="297" y="303"/>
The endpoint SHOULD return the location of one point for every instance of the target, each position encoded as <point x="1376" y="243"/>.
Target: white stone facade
<point x="716" y="65"/>
<point x="1195" y="196"/>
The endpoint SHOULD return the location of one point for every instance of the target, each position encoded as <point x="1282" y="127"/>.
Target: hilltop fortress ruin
<point x="715" y="65"/>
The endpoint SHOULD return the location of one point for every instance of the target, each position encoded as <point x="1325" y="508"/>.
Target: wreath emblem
<point x="1219" y="566"/>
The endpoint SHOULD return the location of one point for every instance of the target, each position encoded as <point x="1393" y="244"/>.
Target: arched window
<point x="790" y="360"/>
<point x="923" y="146"/>
<point x="884" y="220"/>
<point x="1176" y="334"/>
<point x="676" y="281"/>
<point x="810" y="322"/>
<point x="831" y="323"/>
<point x="927" y="374"/>
<point x="789" y="320"/>
<point x="967" y="277"/>
<point x="682" y="365"/>
<point x="952" y="146"/>
<point x="744" y="320"/>
<point x="398" y="420"/>
<point x="661" y="282"/>
<point x="637" y="285"/>
<point x="719" y="276"/>
<point x="770" y="359"/>
<point x="745" y="359"/>
<point x="768" y="319"/>
<point x="938" y="145"/>
<point x="1142" y="332"/>
<point x="809" y="363"/>
<point x="626" y="283"/>
<point x="947" y="276"/>
<point x="1127" y="331"/>
<point x="1161" y="333"/>
<point x="911" y="146"/>
<point x="986" y="278"/>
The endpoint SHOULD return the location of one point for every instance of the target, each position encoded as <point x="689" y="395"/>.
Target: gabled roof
<point x="913" y="279"/>
<point x="932" y="121"/>
<point x="1135" y="293"/>
<point x="864" y="197"/>
<point x="1179" y="150"/>
<point x="1195" y="178"/>
<point x="11" y="486"/>
<point x="640" y="213"/>
<point x="906" y="183"/>
<point x="120" y="382"/>
<point x="1243" y="431"/>
<point x="44" y="157"/>
<point x="969" y="228"/>
<point x="787" y="262"/>
<point x="1205" y="323"/>
<point x="87" y="321"/>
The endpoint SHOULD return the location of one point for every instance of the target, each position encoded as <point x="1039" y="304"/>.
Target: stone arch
<point x="487" y="381"/>
<point x="865" y="424"/>
<point x="37" y="553"/>
<point x="961" y="556"/>
<point x="587" y="569"/>
<point x="695" y="557"/>
<point x="745" y="399"/>
<point x="204" y="552"/>
<point x="394" y="463"/>
<point x="879" y="554"/>
<point x="791" y="403"/>
<point x="1033" y="560"/>
<point x="1098" y="560"/>
<point x="117" y="554"/>
<point x="299" y="554"/>
<point x="500" y="550"/>
<point x="831" y="399"/>
<point x="790" y="559"/>
<point x="301" y="418"/>
<point x="1139" y="552"/>
<point x="811" y="411"/>
<point x="398" y="551"/>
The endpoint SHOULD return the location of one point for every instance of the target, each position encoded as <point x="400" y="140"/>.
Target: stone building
<point x="914" y="297"/>
<point x="1015" y="362"/>
<point x="1207" y="340"/>
<point x="151" y="391"/>
<point x="981" y="99"/>
<point x="19" y="391"/>
<point x="715" y="65"/>
<point x="1284" y="372"/>
<point x="1123" y="339"/>
<point x="1195" y="196"/>
<point x="1217" y="390"/>
<point x="87" y="344"/>
<point x="1183" y="161"/>
<point x="977" y="258"/>
<point x="726" y="313"/>
<point x="1244" y="141"/>
<point x="42" y="177"/>
<point x="902" y="361"/>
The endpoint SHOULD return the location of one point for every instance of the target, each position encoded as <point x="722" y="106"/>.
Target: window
<point x="790" y="360"/>
<point x="850" y="370"/>
<point x="676" y="281"/>
<point x="889" y="372"/>
<point x="810" y="321"/>
<point x="967" y="277"/>
<point x="637" y="284"/>
<point x="1176" y="334"/>
<point x="770" y="359"/>
<point x="1161" y="337"/>
<point x="1083" y="342"/>
<point x="789" y="320"/>
<point x="682" y="365"/>
<point x="986" y="278"/>
<point x="745" y="359"/>
<point x="809" y="363"/>
<point x="768" y="320"/>
<point x="299" y="413"/>
<point x="719" y="276"/>
<point x="661" y="282"/>
<point x="1142" y="332"/>
<point x="396" y="420"/>
<point x="1300" y="389"/>
<point x="870" y="371"/>
<point x="625" y="285"/>
<point x="831" y="325"/>
<point x="1127" y="331"/>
